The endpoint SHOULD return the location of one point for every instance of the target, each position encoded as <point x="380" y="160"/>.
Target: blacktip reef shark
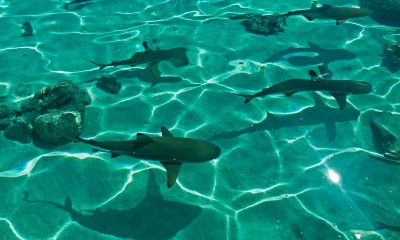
<point x="176" y="56"/>
<point x="326" y="11"/>
<point x="312" y="55"/>
<point x="390" y="157"/>
<point x="138" y="222"/>
<point x="77" y="4"/>
<point x="339" y="89"/>
<point x="326" y="115"/>
<point x="171" y="151"/>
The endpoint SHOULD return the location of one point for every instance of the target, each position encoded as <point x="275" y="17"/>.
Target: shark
<point x="312" y="55"/>
<point x="327" y="116"/>
<point x="326" y="11"/>
<point x="339" y="89"/>
<point x="139" y="222"/>
<point x="390" y="157"/>
<point x="176" y="56"/>
<point x="77" y="4"/>
<point x="171" y="151"/>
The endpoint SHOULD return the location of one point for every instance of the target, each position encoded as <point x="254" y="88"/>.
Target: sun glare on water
<point x="333" y="176"/>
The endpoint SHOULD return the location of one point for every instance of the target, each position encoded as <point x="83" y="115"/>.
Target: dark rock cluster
<point x="27" y="29"/>
<point x="61" y="106"/>
<point x="261" y="24"/>
<point x="108" y="84"/>
<point x="384" y="11"/>
<point x="391" y="57"/>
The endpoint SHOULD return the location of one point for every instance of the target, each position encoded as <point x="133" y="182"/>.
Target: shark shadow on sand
<point x="306" y="117"/>
<point x="177" y="56"/>
<point x="151" y="74"/>
<point x="153" y="218"/>
<point x="313" y="55"/>
<point x="386" y="144"/>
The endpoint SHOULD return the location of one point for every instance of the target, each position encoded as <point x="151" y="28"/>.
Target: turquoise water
<point x="285" y="178"/>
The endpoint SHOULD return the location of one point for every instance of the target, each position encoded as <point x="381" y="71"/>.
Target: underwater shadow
<point x="308" y="116"/>
<point x="313" y="55"/>
<point x="152" y="219"/>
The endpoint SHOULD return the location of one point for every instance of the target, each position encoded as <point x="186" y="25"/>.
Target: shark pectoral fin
<point x="288" y="94"/>
<point x="340" y="99"/>
<point x="308" y="18"/>
<point x="141" y="140"/>
<point x="114" y="154"/>
<point x="318" y="100"/>
<point x="330" y="128"/>
<point x="165" y="132"/>
<point x="154" y="70"/>
<point x="340" y="21"/>
<point x="173" y="169"/>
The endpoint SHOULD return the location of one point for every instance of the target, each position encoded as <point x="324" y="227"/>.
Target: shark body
<point x="171" y="151"/>
<point x="326" y="11"/>
<point x="339" y="89"/>
<point x="175" y="55"/>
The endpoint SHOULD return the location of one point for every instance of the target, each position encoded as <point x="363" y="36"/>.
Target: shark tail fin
<point x="101" y="66"/>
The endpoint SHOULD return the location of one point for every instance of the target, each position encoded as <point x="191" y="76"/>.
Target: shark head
<point x="203" y="151"/>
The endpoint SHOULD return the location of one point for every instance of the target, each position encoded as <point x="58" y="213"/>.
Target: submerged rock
<point x="69" y="122"/>
<point x="27" y="29"/>
<point x="261" y="24"/>
<point x="62" y="105"/>
<point x="20" y="131"/>
<point x="391" y="57"/>
<point x="7" y="114"/>
<point x="109" y="84"/>
<point x="384" y="11"/>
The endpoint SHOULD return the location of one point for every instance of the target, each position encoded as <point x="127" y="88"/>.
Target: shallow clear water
<point x="283" y="179"/>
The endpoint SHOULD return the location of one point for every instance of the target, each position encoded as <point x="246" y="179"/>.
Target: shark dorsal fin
<point x="313" y="75"/>
<point x="165" y="132"/>
<point x="325" y="71"/>
<point x="68" y="203"/>
<point x="142" y="140"/>
<point x="318" y="100"/>
<point x="146" y="46"/>
<point x="313" y="45"/>
<point x="340" y="99"/>
<point x="340" y="21"/>
<point x="173" y="169"/>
